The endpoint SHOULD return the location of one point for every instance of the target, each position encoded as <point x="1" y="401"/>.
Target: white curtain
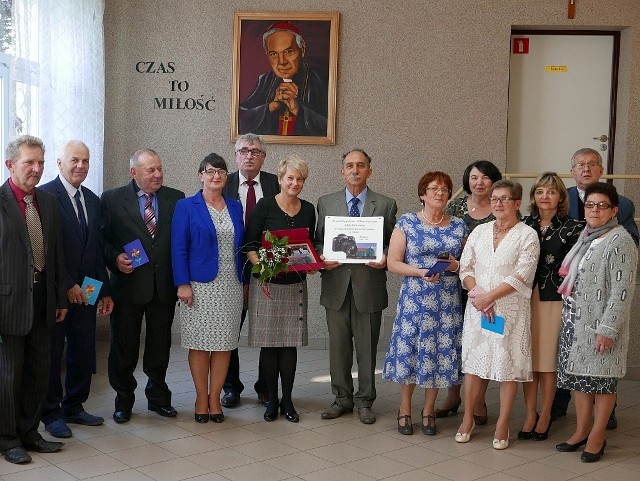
<point x="58" y="70"/>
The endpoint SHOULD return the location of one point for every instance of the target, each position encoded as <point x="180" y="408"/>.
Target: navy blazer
<point x="626" y="212"/>
<point x="81" y="259"/>
<point x="194" y="242"/>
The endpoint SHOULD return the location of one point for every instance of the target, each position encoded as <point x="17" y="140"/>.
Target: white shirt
<point x="71" y="190"/>
<point x="243" y="188"/>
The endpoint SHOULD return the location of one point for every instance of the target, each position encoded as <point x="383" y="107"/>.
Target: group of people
<point x="512" y="291"/>
<point x="543" y="300"/>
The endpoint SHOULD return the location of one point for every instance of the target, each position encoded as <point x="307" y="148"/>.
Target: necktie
<point x="35" y="232"/>
<point x="251" y="200"/>
<point x="149" y="215"/>
<point x="82" y="220"/>
<point x="354" y="211"/>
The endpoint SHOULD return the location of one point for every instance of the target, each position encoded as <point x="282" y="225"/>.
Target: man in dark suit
<point x="80" y="220"/>
<point x="586" y="167"/>
<point x="354" y="295"/>
<point x="248" y="184"/>
<point x="32" y="298"/>
<point x="141" y="210"/>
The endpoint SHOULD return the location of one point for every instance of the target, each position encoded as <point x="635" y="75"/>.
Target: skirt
<point x="546" y="319"/>
<point x="279" y="321"/>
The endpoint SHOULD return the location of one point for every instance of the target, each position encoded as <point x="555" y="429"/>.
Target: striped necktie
<point x="150" y="215"/>
<point x="34" y="227"/>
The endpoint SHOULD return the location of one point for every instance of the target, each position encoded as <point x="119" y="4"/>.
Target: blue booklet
<point x="91" y="288"/>
<point x="496" y="326"/>
<point x="136" y="253"/>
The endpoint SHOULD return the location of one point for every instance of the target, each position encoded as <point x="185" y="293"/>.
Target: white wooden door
<point x="559" y="100"/>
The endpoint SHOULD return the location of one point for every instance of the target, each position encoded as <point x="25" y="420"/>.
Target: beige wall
<point x="422" y="85"/>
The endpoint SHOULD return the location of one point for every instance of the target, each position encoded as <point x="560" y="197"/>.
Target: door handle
<point x="601" y="138"/>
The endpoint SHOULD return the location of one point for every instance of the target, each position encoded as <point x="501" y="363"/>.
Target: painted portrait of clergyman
<point x="284" y="81"/>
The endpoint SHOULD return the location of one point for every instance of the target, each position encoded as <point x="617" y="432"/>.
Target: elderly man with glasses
<point x="248" y="184"/>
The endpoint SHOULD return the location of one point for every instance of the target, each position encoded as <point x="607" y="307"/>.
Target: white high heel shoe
<point x="465" y="437"/>
<point x="501" y="444"/>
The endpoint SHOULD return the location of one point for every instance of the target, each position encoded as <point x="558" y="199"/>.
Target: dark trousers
<point x="24" y="377"/>
<point x="232" y="382"/>
<point x="126" y="326"/>
<point x="347" y="327"/>
<point x="79" y="330"/>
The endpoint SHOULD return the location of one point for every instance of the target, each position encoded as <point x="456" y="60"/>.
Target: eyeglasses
<point x="500" y="200"/>
<point x="600" y="205"/>
<point x="214" y="172"/>
<point x="254" y="152"/>
<point x="444" y="190"/>
<point x="583" y="165"/>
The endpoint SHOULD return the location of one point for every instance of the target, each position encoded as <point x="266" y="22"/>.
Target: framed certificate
<point x="353" y="240"/>
<point x="302" y="255"/>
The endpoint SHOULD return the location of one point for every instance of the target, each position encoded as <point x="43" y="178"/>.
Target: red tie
<point x="251" y="200"/>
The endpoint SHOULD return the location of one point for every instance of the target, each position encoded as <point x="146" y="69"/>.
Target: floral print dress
<point x="425" y="343"/>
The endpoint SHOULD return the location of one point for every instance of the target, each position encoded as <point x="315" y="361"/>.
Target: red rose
<point x="269" y="255"/>
<point x="285" y="260"/>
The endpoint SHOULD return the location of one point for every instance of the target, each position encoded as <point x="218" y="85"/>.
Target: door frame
<point x="615" y="65"/>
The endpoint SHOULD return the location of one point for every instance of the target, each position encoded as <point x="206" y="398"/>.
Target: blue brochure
<point x="136" y="253"/>
<point x="91" y="288"/>
<point x="496" y="326"/>
<point x="438" y="268"/>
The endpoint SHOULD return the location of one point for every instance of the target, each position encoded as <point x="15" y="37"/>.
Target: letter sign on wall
<point x="520" y="45"/>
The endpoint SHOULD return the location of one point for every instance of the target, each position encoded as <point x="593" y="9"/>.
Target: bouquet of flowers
<point x="273" y="258"/>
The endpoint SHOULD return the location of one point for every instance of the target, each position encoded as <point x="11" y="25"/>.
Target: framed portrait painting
<point x="284" y="76"/>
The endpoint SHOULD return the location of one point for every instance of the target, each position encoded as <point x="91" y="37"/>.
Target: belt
<point x="38" y="276"/>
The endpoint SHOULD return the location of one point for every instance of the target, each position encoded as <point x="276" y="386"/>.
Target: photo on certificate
<point x="354" y="240"/>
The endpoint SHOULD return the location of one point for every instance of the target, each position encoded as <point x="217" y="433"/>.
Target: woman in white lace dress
<point x="497" y="267"/>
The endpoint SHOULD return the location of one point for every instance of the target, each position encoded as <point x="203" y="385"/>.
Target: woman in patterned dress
<point x="599" y="283"/>
<point x="278" y="324"/>
<point x="206" y="238"/>
<point x="497" y="267"/>
<point x="474" y="209"/>
<point x="424" y="348"/>
<point x="557" y="233"/>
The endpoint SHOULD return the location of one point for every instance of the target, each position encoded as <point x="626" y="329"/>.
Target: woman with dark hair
<point x="497" y="267"/>
<point x="474" y="209"/>
<point x="278" y="324"/>
<point x="599" y="282"/>
<point x="206" y="238"/>
<point x="424" y="348"/>
<point x="557" y="233"/>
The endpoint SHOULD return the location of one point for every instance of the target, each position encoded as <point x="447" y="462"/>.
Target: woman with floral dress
<point x="424" y="348"/>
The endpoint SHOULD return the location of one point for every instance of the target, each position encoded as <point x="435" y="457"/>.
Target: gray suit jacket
<point x="16" y="264"/>
<point x="369" y="285"/>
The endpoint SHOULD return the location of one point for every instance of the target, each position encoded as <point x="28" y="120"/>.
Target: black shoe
<point x="569" y="448"/>
<point x="430" y="428"/>
<point x="217" y="418"/>
<point x="84" y="418"/>
<point x="536" y="436"/>
<point x="122" y="416"/>
<point x="558" y="412"/>
<point x="167" y="411"/>
<point x="289" y="413"/>
<point x="202" y="418"/>
<point x="587" y="457"/>
<point x="44" y="446"/>
<point x="613" y="421"/>
<point x="444" y="412"/>
<point x="407" y="427"/>
<point x="528" y="434"/>
<point x="263" y="398"/>
<point x="482" y="419"/>
<point x="58" y="429"/>
<point x="17" y="455"/>
<point x="230" y="399"/>
<point x="271" y="414"/>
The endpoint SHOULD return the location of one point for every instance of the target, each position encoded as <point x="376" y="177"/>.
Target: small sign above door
<point x="520" y="45"/>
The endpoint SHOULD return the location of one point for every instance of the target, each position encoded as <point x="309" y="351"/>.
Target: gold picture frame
<point x="280" y="94"/>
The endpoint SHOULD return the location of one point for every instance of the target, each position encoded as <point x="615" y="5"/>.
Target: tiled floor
<point x="246" y="448"/>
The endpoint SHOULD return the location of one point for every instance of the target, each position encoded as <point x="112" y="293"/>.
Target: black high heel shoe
<point x="587" y="457"/>
<point x="536" y="436"/>
<point x="481" y="420"/>
<point x="443" y="413"/>
<point x="529" y="434"/>
<point x="289" y="413"/>
<point x="201" y="418"/>
<point x="271" y="414"/>
<point x="569" y="448"/>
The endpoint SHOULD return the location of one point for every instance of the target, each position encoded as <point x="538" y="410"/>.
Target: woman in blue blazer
<point x="206" y="235"/>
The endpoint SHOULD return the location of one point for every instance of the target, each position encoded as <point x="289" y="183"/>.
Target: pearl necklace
<point x="432" y="223"/>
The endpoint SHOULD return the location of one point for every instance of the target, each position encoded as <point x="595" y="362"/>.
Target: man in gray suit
<point x="354" y="295"/>
<point x="32" y="298"/>
<point x="250" y="153"/>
